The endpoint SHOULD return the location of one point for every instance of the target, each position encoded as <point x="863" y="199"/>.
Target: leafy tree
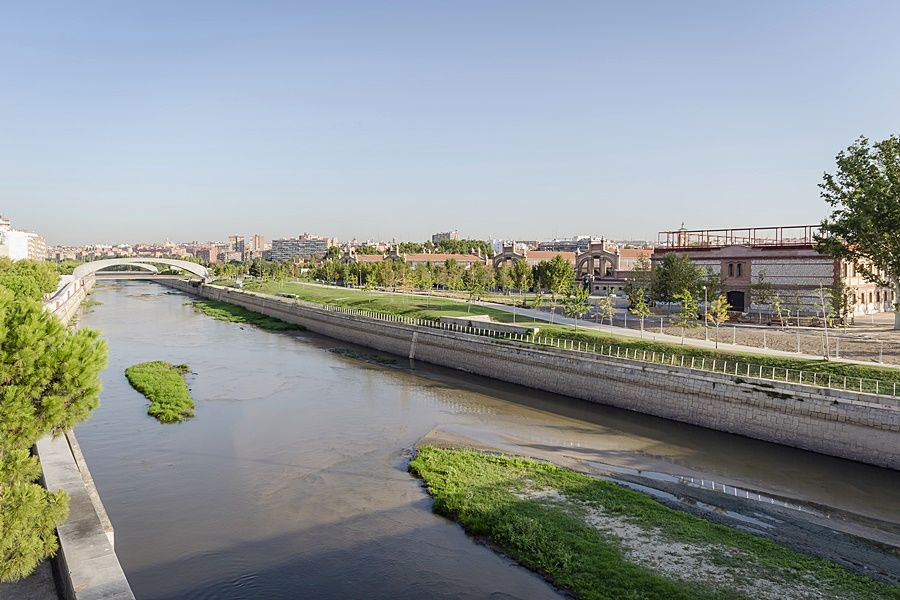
<point x="475" y="291"/>
<point x="641" y="277"/>
<point x="51" y="383"/>
<point x="423" y="277"/>
<point x="28" y="278"/>
<point x="639" y="306"/>
<point x="368" y="250"/>
<point x="521" y="275"/>
<point x="576" y="303"/>
<point x="864" y="226"/>
<point x="675" y="275"/>
<point x="504" y="277"/>
<point x="713" y="283"/>
<point x="481" y="275"/>
<point x="466" y="247"/>
<point x="410" y="248"/>
<point x="717" y="312"/>
<point x="66" y="267"/>
<point x="332" y="253"/>
<point x="606" y="308"/>
<point x="453" y="274"/>
<point x="841" y="301"/>
<point x="558" y="275"/>
<point x="687" y="314"/>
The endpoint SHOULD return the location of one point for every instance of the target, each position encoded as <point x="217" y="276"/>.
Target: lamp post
<point x="705" y="314"/>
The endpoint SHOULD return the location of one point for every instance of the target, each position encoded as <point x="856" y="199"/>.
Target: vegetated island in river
<point x="163" y="384"/>
<point x="232" y="313"/>
<point x="599" y="540"/>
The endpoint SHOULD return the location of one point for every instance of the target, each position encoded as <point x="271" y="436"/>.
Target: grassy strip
<point x="489" y="496"/>
<point x="428" y="307"/>
<point x="232" y="313"/>
<point x="163" y="384"/>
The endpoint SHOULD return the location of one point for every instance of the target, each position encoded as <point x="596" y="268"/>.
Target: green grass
<point x="163" y="384"/>
<point x="487" y="495"/>
<point x="433" y="307"/>
<point x="89" y="302"/>
<point x="224" y="311"/>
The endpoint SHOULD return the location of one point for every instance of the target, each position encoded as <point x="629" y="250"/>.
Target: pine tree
<point x="50" y="382"/>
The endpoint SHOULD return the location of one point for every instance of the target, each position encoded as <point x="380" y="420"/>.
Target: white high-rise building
<point x="16" y="245"/>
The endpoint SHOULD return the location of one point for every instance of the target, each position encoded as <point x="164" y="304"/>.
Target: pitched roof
<point x="636" y="252"/>
<point x="441" y="257"/>
<point x="549" y="254"/>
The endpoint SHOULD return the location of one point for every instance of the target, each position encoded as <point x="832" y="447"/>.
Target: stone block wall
<point x="854" y="426"/>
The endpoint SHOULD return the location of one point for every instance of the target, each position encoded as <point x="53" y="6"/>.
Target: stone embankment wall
<point x="860" y="427"/>
<point x="86" y="564"/>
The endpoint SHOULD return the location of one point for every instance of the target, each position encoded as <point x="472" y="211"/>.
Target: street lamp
<point x="705" y="314"/>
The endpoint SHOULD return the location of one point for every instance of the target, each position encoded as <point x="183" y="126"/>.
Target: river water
<point x="290" y="482"/>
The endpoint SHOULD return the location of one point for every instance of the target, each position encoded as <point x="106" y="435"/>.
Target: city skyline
<point x="398" y="121"/>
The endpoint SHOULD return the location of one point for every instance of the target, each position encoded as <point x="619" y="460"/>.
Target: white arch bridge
<point x="86" y="269"/>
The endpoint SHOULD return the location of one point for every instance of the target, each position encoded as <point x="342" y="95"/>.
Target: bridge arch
<point x="141" y="266"/>
<point x="97" y="265"/>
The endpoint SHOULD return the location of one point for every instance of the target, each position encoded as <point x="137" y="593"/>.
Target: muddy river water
<point x="291" y="480"/>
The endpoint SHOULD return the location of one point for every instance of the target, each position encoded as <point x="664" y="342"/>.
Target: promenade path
<point x="647" y="334"/>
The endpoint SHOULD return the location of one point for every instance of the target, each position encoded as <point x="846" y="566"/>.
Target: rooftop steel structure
<point x="793" y="235"/>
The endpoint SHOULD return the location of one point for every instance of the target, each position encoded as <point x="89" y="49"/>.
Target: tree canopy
<point x="864" y="225"/>
<point x="674" y="275"/>
<point x="50" y="382"/>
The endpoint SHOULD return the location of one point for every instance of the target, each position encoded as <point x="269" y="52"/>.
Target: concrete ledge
<point x="485" y="323"/>
<point x="86" y="565"/>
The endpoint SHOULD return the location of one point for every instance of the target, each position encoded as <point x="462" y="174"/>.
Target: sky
<point x="141" y="121"/>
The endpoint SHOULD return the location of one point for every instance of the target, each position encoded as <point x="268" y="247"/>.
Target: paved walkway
<point x="647" y="334"/>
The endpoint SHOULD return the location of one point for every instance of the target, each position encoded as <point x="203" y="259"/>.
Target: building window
<point x="739" y="269"/>
<point x="731" y="269"/>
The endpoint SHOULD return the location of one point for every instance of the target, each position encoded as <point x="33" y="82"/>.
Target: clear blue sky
<point x="192" y="120"/>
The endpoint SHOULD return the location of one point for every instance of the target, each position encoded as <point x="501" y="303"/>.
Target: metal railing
<point x="734" y="369"/>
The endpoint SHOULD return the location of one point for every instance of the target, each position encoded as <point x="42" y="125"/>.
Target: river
<point x="290" y="482"/>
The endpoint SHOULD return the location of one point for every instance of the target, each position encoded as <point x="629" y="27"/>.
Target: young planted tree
<point x="778" y="307"/>
<point x="639" y="306"/>
<point x="864" y="225"/>
<point x="761" y="292"/>
<point x="51" y="382"/>
<point x="576" y="303"/>
<point x="826" y="307"/>
<point x="686" y="317"/>
<point x="717" y="313"/>
<point x="606" y="309"/>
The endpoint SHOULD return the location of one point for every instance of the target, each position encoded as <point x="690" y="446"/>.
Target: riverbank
<point x="599" y="539"/>
<point x="848" y="424"/>
<point x="433" y="307"/>
<point x="232" y="313"/>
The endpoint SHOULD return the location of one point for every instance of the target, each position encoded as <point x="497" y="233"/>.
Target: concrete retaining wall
<point x="831" y="422"/>
<point x="86" y="564"/>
